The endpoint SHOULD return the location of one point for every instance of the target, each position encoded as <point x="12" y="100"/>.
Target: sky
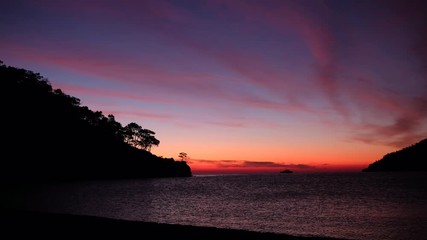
<point x="240" y="86"/>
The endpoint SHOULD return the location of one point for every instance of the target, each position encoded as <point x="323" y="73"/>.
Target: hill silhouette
<point x="412" y="158"/>
<point x="47" y="135"/>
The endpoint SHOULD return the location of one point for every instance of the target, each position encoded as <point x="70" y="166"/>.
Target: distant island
<point x="286" y="171"/>
<point x="411" y="158"/>
<point x="48" y="135"/>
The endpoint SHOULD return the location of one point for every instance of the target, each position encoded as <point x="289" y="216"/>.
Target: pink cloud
<point x="284" y="18"/>
<point x="265" y="86"/>
<point x="142" y="114"/>
<point x="227" y="124"/>
<point x="103" y="92"/>
<point x="407" y="115"/>
<point x="121" y="69"/>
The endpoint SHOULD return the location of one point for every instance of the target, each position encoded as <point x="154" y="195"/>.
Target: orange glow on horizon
<point x="196" y="170"/>
<point x="201" y="167"/>
<point x="208" y="154"/>
<point x="316" y="157"/>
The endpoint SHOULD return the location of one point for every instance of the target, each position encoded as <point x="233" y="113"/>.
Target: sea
<point x="374" y="206"/>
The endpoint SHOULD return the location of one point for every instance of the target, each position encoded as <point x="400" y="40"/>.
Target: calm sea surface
<point x="354" y="206"/>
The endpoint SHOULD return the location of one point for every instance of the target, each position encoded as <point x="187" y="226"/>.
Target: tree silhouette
<point x="139" y="137"/>
<point x="69" y="141"/>
<point x="184" y="156"/>
<point x="113" y="127"/>
<point x="147" y="139"/>
<point x="411" y="158"/>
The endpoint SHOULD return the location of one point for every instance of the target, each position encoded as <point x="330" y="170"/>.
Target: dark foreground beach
<point x="59" y="226"/>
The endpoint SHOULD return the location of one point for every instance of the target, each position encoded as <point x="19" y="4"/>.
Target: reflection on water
<point x="354" y="206"/>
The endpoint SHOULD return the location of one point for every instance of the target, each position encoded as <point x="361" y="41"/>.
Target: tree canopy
<point x="138" y="137"/>
<point x="184" y="156"/>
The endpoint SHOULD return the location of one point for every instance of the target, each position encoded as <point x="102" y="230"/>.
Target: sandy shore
<point x="60" y="226"/>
